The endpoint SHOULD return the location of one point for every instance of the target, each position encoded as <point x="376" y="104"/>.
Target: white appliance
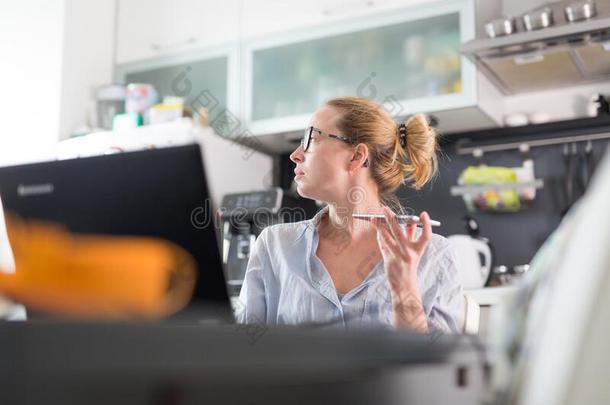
<point x="474" y="260"/>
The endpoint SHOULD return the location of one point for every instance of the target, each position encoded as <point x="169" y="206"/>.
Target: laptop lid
<point x="161" y="193"/>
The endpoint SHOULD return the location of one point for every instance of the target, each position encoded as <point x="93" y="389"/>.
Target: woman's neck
<point x="340" y="215"/>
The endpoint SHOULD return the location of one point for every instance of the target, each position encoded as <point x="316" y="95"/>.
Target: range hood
<point x="566" y="54"/>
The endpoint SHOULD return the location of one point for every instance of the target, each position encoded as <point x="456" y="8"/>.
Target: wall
<point x="31" y="45"/>
<point x="53" y="55"/>
<point x="87" y="59"/>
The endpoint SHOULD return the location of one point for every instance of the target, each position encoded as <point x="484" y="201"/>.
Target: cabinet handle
<point x="160" y="47"/>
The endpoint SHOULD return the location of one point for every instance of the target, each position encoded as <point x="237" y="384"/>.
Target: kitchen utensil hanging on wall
<point x="579" y="166"/>
<point x="570" y="160"/>
<point x="586" y="166"/>
<point x="589" y="162"/>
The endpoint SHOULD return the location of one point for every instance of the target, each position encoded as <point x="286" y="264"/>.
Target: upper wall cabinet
<point x="407" y="60"/>
<point x="155" y="28"/>
<point x="203" y="78"/>
<point x="272" y="63"/>
<point x="266" y="17"/>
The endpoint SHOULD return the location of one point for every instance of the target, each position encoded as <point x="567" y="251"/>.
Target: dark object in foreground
<point x="186" y="363"/>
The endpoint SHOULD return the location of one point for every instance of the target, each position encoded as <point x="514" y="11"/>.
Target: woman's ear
<point x="360" y="157"/>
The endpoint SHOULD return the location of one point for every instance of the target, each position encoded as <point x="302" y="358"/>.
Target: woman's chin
<point x="302" y="190"/>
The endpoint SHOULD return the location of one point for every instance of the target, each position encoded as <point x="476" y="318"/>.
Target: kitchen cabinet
<point x="266" y="17"/>
<point x="408" y="60"/>
<point x="156" y="28"/>
<point x="405" y="58"/>
<point x="203" y="78"/>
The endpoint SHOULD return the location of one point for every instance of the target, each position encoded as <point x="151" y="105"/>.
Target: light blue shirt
<point x="286" y="283"/>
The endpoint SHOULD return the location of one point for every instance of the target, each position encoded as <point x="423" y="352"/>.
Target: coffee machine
<point x="243" y="217"/>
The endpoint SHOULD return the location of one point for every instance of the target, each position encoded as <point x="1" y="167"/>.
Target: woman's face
<point x="321" y="173"/>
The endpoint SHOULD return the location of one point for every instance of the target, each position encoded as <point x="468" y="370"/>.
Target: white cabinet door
<point x="154" y="28"/>
<point x="408" y="61"/>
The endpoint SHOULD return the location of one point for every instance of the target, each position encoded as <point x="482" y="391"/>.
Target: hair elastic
<point x="402" y="135"/>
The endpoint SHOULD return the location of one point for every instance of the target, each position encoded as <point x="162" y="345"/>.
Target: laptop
<point x="161" y="193"/>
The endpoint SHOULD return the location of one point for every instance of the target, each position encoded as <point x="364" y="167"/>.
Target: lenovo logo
<point x="34" y="189"/>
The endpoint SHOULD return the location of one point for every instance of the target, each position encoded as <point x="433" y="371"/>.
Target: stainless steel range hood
<point x="563" y="55"/>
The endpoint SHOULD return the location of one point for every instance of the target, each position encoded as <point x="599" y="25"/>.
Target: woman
<point x="334" y="269"/>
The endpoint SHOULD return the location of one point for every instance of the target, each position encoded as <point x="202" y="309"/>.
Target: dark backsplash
<point x="515" y="236"/>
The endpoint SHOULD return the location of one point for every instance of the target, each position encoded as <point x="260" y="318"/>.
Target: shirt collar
<point x="315" y="221"/>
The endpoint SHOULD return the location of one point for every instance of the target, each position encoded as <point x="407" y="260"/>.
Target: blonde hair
<point x="390" y="163"/>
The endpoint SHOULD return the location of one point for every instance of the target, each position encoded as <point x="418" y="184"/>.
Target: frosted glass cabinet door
<point x="399" y="64"/>
<point x="202" y="82"/>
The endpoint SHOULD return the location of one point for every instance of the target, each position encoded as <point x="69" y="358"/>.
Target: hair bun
<point x="422" y="148"/>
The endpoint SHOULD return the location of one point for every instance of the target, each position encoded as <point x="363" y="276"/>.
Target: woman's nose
<point x="297" y="155"/>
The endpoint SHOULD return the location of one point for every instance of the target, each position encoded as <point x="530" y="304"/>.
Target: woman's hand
<point x="401" y="253"/>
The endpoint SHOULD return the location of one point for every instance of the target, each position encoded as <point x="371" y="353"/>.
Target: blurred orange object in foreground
<point x="96" y="276"/>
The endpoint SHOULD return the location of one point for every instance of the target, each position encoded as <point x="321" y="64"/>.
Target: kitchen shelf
<point x="518" y="39"/>
<point x="465" y="148"/>
<point x="461" y="190"/>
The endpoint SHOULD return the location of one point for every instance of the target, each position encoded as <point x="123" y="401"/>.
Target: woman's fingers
<point x="398" y="240"/>
<point x="411" y="227"/>
<point x="394" y="226"/>
<point x="386" y="238"/>
<point x="426" y="234"/>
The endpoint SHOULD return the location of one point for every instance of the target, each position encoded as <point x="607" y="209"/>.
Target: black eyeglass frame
<point x="306" y="140"/>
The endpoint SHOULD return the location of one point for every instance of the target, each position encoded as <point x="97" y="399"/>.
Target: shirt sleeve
<point x="251" y="306"/>
<point x="447" y="310"/>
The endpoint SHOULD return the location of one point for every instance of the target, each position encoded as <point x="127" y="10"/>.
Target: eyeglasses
<point x="306" y="141"/>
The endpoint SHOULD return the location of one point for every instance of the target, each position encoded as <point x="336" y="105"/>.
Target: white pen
<point x="413" y="219"/>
